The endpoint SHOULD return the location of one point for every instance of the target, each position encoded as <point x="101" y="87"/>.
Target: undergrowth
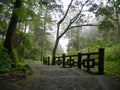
<point x="5" y="61"/>
<point x="10" y="72"/>
<point x="112" y="60"/>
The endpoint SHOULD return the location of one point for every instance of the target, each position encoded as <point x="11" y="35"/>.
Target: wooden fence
<point x="46" y="61"/>
<point x="82" y="60"/>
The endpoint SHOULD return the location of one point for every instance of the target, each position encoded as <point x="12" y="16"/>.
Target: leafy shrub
<point x="21" y="71"/>
<point x="22" y="66"/>
<point x="5" y="61"/>
<point x="113" y="68"/>
<point x="112" y="53"/>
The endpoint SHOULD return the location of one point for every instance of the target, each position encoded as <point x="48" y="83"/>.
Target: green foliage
<point x="113" y="67"/>
<point x="118" y="2"/>
<point x="107" y="25"/>
<point x="113" y="53"/>
<point x="47" y="19"/>
<point x="6" y="64"/>
<point x="3" y="27"/>
<point x="72" y="51"/>
<point x="22" y="66"/>
<point x="23" y="44"/>
<point x="5" y="61"/>
<point x="21" y="13"/>
<point x="93" y="8"/>
<point x="21" y="71"/>
<point x="35" y="53"/>
<point x="107" y="11"/>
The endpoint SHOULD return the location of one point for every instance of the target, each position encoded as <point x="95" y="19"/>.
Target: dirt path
<point x="56" y="78"/>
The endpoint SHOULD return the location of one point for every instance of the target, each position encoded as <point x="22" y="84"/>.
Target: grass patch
<point x="39" y="62"/>
<point x="110" y="67"/>
<point x="113" y="67"/>
<point x="22" y="68"/>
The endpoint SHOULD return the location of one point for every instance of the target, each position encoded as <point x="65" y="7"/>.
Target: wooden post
<point x="43" y="60"/>
<point x="88" y="63"/>
<point x="70" y="62"/>
<point x="63" y="60"/>
<point x="101" y="61"/>
<point x="48" y="60"/>
<point x="55" y="60"/>
<point x="79" y="60"/>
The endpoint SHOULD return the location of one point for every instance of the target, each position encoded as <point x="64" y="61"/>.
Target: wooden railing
<point x="82" y="60"/>
<point x="46" y="61"/>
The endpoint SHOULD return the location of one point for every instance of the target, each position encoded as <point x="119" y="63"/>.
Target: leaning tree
<point x="69" y="26"/>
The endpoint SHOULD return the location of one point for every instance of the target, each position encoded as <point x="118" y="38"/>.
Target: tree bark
<point x="54" y="50"/>
<point x="118" y="22"/>
<point x="44" y="37"/>
<point x="8" y="44"/>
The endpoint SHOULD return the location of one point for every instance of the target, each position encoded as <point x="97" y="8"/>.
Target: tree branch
<point x="65" y="13"/>
<point x="82" y="26"/>
<point x="74" y="19"/>
<point x="76" y="27"/>
<point x="61" y="20"/>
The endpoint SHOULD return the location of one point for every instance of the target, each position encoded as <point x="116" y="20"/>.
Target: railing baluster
<point x="101" y="61"/>
<point x="79" y="60"/>
<point x="63" y="60"/>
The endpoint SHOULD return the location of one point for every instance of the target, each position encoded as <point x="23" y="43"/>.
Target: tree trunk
<point x="77" y="40"/>
<point x="118" y="23"/>
<point x="44" y="37"/>
<point x="8" y="44"/>
<point x="117" y="19"/>
<point x="54" y="50"/>
<point x="43" y="46"/>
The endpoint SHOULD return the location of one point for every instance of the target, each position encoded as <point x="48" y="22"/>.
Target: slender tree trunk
<point x="54" y="50"/>
<point x="25" y="30"/>
<point x="77" y="40"/>
<point x="44" y="35"/>
<point x="43" y="45"/>
<point x="8" y="44"/>
<point x="117" y="20"/>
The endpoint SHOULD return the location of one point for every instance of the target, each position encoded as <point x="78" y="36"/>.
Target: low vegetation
<point x="112" y="60"/>
<point x="12" y="72"/>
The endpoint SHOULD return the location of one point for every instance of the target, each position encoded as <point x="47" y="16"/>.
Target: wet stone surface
<point x="56" y="78"/>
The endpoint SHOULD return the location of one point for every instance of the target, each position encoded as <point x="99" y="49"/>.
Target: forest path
<point x="56" y="78"/>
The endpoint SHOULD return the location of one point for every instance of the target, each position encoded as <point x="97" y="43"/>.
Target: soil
<point x="57" y="78"/>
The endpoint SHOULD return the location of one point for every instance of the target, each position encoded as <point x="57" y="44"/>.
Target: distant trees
<point x="109" y="23"/>
<point x="74" y="40"/>
<point x="107" y="31"/>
